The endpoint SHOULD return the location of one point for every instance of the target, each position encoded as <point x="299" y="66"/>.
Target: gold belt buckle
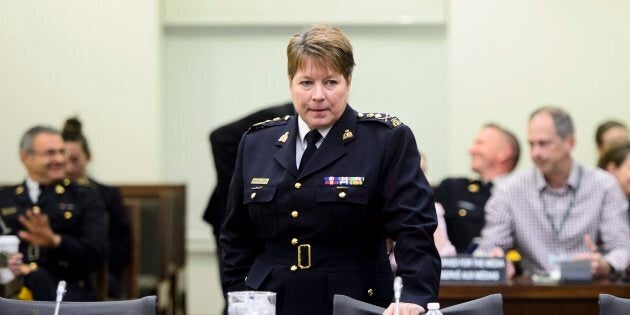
<point x="307" y="247"/>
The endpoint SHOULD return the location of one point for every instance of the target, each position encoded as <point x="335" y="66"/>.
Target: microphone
<point x="398" y="285"/>
<point x="61" y="290"/>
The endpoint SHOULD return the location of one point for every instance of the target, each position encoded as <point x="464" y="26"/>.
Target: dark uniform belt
<point x="306" y="256"/>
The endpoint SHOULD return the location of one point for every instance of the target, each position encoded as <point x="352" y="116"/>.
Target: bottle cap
<point x="433" y="306"/>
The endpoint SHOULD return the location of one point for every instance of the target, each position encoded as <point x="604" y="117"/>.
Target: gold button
<point x="473" y="188"/>
<point x="462" y="212"/>
<point x="252" y="196"/>
<point x="294" y="214"/>
<point x="294" y="241"/>
<point x="342" y="194"/>
<point x="33" y="266"/>
<point x="370" y="292"/>
<point x="37" y="209"/>
<point x="294" y="268"/>
<point x="67" y="215"/>
<point x="59" y="189"/>
<point x="297" y="185"/>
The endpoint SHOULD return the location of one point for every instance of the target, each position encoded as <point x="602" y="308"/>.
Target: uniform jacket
<point x="276" y="212"/>
<point x="74" y="212"/>
<point x="119" y="233"/>
<point x="463" y="200"/>
<point x="224" y="143"/>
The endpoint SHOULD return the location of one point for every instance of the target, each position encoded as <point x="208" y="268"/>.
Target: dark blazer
<point x="338" y="229"/>
<point x="463" y="200"/>
<point x="77" y="214"/>
<point x="224" y="144"/>
<point x="119" y="234"/>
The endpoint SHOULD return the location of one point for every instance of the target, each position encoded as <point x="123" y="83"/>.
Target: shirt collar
<point x="304" y="129"/>
<point x="572" y="182"/>
<point x="31" y="184"/>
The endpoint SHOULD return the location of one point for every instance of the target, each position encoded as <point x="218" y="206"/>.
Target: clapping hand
<point x="38" y="231"/>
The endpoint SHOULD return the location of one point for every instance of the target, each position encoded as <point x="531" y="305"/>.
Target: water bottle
<point x="434" y="309"/>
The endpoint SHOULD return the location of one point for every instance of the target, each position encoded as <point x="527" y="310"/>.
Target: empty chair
<point x="612" y="305"/>
<point x="491" y="304"/>
<point x="345" y="305"/>
<point x="144" y="306"/>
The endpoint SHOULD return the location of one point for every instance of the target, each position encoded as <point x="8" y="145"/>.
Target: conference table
<point x="523" y="296"/>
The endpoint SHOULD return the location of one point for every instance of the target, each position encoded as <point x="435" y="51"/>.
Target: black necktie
<point x="311" y="138"/>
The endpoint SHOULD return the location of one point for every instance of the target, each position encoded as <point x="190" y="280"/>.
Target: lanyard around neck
<point x="567" y="212"/>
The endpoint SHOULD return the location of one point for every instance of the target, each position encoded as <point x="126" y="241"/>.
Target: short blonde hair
<point x="323" y="44"/>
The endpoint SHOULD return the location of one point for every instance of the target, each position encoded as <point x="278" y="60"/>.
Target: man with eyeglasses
<point x="61" y="225"/>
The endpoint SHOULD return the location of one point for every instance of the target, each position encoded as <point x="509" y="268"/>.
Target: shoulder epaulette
<point x="86" y="183"/>
<point x="278" y="121"/>
<point x="391" y="121"/>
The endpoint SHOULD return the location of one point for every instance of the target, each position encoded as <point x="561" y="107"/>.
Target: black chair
<point x="491" y="304"/>
<point x="144" y="306"/>
<point x="345" y="305"/>
<point x="612" y="305"/>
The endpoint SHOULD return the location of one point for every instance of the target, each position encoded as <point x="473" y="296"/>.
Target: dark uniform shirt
<point x="463" y="200"/>
<point x="119" y="234"/>
<point x="320" y="231"/>
<point x="76" y="214"/>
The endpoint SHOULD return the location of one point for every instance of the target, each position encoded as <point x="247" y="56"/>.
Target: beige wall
<point x="95" y="59"/>
<point x="507" y="58"/>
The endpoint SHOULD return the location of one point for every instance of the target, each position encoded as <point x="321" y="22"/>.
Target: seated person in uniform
<point x="61" y="225"/>
<point x="494" y="154"/>
<point x="558" y="210"/>
<point x="79" y="156"/>
<point x="609" y="133"/>
<point x="616" y="161"/>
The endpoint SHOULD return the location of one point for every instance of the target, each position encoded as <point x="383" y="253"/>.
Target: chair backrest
<point x="612" y="305"/>
<point x="345" y="305"/>
<point x="491" y="304"/>
<point x="143" y="306"/>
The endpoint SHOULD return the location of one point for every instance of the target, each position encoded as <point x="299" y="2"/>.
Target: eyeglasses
<point x="48" y="153"/>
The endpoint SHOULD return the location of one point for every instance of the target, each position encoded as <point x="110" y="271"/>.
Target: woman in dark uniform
<point x="314" y="196"/>
<point x="79" y="155"/>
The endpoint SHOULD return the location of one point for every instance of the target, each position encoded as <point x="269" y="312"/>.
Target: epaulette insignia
<point x="391" y="121"/>
<point x="86" y="183"/>
<point x="268" y="123"/>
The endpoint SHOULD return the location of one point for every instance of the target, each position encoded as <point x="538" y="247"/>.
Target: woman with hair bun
<point x="78" y="156"/>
